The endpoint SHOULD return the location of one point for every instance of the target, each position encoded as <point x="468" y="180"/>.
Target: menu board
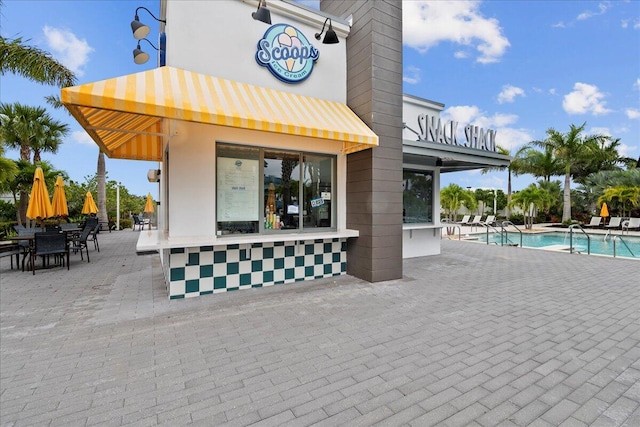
<point x="238" y="183"/>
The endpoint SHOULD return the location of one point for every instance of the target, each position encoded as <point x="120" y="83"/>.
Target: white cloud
<point x="509" y="93"/>
<point x="632" y="113"/>
<point x="636" y="85"/>
<point x="600" y="131"/>
<point x="506" y="136"/>
<point x="585" y="99"/>
<point x="72" y="52"/>
<point x="627" y="150"/>
<point x="81" y="137"/>
<point x="602" y="8"/>
<point x="428" y="23"/>
<point x="411" y="75"/>
<point x="553" y="91"/>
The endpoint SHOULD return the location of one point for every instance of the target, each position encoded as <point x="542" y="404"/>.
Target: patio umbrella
<point x="59" y="201"/>
<point x="148" y="207"/>
<point x="604" y="212"/>
<point x="39" y="204"/>
<point x="89" y="206"/>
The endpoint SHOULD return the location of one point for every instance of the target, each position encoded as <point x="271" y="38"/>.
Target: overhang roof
<point x="124" y="115"/>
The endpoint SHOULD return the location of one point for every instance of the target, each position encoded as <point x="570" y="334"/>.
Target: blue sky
<point x="519" y="67"/>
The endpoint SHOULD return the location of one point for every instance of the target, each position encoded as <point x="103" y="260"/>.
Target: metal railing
<point x="624" y="243"/>
<point x="495" y="230"/>
<point x="451" y="225"/>
<point x="505" y="232"/>
<point x="571" y="227"/>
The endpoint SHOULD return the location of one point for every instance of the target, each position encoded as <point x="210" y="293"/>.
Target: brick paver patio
<point x="478" y="336"/>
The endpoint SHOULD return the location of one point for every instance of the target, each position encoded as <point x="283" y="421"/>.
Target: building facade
<point x="281" y="158"/>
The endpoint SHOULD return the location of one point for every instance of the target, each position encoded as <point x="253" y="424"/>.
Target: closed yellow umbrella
<point x="59" y="202"/>
<point x="89" y="206"/>
<point x="148" y="207"/>
<point x="604" y="212"/>
<point x="39" y="203"/>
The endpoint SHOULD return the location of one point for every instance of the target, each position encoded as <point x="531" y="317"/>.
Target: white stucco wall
<point x="191" y="168"/>
<point x="411" y="108"/>
<point x="220" y="38"/>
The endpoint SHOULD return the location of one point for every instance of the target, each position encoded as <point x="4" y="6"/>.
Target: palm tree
<point x="453" y="197"/>
<point x="568" y="149"/>
<point x="514" y="168"/>
<point x="622" y="194"/>
<point x="601" y="155"/>
<point x="541" y="164"/>
<point x="34" y="64"/>
<point x="8" y="171"/>
<point x="530" y="200"/>
<point x="26" y="128"/>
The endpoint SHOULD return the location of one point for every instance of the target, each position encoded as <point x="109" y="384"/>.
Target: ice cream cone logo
<point x="287" y="53"/>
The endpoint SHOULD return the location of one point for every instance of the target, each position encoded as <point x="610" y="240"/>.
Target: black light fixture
<point x="330" y="36"/>
<point x="139" y="56"/>
<point x="140" y="30"/>
<point x="262" y="14"/>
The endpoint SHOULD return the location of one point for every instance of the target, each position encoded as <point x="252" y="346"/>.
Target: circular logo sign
<point x="287" y="53"/>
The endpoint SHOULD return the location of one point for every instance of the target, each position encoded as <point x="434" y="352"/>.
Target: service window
<point x="417" y="197"/>
<point x="273" y="191"/>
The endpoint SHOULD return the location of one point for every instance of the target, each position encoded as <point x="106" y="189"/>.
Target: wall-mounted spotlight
<point x="262" y="14"/>
<point x="140" y="30"/>
<point x="330" y="36"/>
<point x="139" y="56"/>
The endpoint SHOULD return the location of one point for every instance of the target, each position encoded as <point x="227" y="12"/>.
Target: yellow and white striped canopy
<point x="124" y="115"/>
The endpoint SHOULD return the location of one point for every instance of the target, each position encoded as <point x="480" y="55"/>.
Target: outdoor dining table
<point x="31" y="238"/>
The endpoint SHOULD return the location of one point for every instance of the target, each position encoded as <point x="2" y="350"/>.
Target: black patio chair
<point x="80" y="241"/>
<point x="93" y="236"/>
<point x="137" y="222"/>
<point x="47" y="244"/>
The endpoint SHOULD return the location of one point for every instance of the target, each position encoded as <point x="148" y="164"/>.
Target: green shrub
<point x="517" y="218"/>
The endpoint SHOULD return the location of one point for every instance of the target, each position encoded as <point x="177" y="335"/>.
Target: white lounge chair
<point x="615" y="222"/>
<point x="631" y="224"/>
<point x="595" y="222"/>
<point x="476" y="221"/>
<point x="465" y="220"/>
<point x="491" y="219"/>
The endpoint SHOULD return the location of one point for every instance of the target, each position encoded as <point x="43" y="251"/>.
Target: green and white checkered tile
<point x="213" y="269"/>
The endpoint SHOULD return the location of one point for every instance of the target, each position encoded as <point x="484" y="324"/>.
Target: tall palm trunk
<point x="566" y="208"/>
<point x="25" y="154"/>
<point x="103" y="219"/>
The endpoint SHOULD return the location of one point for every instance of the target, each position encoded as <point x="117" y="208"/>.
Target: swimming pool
<point x="625" y="246"/>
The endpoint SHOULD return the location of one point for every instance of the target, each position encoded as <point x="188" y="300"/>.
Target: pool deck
<point x="481" y="335"/>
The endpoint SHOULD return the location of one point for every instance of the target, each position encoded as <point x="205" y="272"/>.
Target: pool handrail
<point x="578" y="226"/>
<point x="625" y="244"/>
<point x="495" y="230"/>
<point x="504" y="226"/>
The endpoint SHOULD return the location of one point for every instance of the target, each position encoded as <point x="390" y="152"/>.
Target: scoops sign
<point x="286" y="53"/>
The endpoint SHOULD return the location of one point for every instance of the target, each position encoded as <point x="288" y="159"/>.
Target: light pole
<point x="118" y="206"/>
<point x="495" y="201"/>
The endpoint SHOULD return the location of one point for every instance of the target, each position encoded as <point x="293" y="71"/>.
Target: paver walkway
<point x="479" y="336"/>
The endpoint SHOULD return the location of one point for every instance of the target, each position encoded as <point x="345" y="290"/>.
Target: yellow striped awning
<point x="124" y="115"/>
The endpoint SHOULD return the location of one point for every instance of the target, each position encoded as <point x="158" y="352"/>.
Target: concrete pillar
<point x="374" y="176"/>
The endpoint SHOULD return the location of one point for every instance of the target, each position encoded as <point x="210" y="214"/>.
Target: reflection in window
<point x="259" y="190"/>
<point x="317" y="197"/>
<point x="417" y="196"/>
<point x="281" y="187"/>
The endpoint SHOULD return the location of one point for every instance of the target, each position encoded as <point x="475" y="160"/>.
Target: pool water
<point x="625" y="246"/>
